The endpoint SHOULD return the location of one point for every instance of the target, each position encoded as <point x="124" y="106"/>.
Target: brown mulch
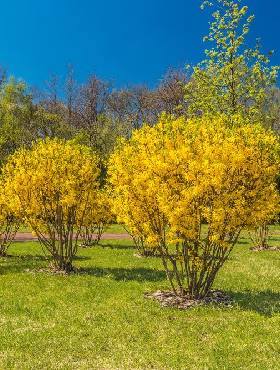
<point x="28" y="237"/>
<point x="169" y="299"/>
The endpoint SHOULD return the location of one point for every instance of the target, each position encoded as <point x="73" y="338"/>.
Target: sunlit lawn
<point x="99" y="318"/>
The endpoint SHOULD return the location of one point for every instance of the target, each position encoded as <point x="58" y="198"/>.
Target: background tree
<point x="272" y="109"/>
<point x="92" y="112"/>
<point x="23" y="119"/>
<point x="232" y="79"/>
<point x="16" y="113"/>
<point x="171" y="93"/>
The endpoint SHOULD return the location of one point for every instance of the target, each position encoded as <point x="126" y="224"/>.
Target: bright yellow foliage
<point x="171" y="178"/>
<point x="97" y="217"/>
<point x="52" y="186"/>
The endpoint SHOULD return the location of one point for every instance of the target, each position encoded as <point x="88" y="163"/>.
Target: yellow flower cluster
<point x="98" y="210"/>
<point x="52" y="174"/>
<point x="171" y="177"/>
<point x="97" y="217"/>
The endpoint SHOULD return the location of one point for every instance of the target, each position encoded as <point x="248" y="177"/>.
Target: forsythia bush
<point x="96" y="218"/>
<point x="136" y="232"/>
<point x="9" y="225"/>
<point x="192" y="186"/>
<point x="260" y="237"/>
<point x="139" y="242"/>
<point x="53" y="185"/>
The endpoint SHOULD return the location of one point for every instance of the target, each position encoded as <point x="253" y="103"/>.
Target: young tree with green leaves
<point x="22" y="121"/>
<point x="233" y="79"/>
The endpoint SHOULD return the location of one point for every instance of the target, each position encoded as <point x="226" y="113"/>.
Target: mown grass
<point x="99" y="319"/>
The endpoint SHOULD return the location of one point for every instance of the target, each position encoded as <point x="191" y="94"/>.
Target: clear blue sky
<point x="125" y="41"/>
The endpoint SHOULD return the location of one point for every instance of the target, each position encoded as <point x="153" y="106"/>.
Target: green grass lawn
<point x="99" y="318"/>
<point x="115" y="228"/>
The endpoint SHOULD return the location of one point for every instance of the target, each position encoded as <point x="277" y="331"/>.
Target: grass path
<point x="28" y="236"/>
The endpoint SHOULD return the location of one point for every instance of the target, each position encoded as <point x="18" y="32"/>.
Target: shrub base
<point x="169" y="298"/>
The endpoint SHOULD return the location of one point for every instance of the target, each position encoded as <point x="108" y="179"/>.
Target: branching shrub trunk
<point x="60" y="237"/>
<point x="260" y="237"/>
<point x="192" y="266"/>
<point x="140" y="244"/>
<point x="91" y="235"/>
<point x="97" y="218"/>
<point x="8" y="230"/>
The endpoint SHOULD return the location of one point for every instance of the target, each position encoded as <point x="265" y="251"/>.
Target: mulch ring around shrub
<point x="170" y="299"/>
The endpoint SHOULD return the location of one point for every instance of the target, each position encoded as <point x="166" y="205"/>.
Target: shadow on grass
<point x="16" y="268"/>
<point x="81" y="258"/>
<point x="123" y="274"/>
<point x="34" y="258"/>
<point x="116" y="246"/>
<point x="22" y="263"/>
<point x="31" y="258"/>
<point x="243" y="241"/>
<point x="23" y="257"/>
<point x="265" y="303"/>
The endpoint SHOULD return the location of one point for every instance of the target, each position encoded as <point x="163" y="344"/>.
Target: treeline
<point x="93" y="112"/>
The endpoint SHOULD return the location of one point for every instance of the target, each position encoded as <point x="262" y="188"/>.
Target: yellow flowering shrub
<point x="192" y="186"/>
<point x="96" y="219"/>
<point x="53" y="185"/>
<point x="139" y="241"/>
<point x="9" y="224"/>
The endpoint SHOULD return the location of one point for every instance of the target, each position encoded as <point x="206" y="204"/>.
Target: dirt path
<point x="28" y="237"/>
